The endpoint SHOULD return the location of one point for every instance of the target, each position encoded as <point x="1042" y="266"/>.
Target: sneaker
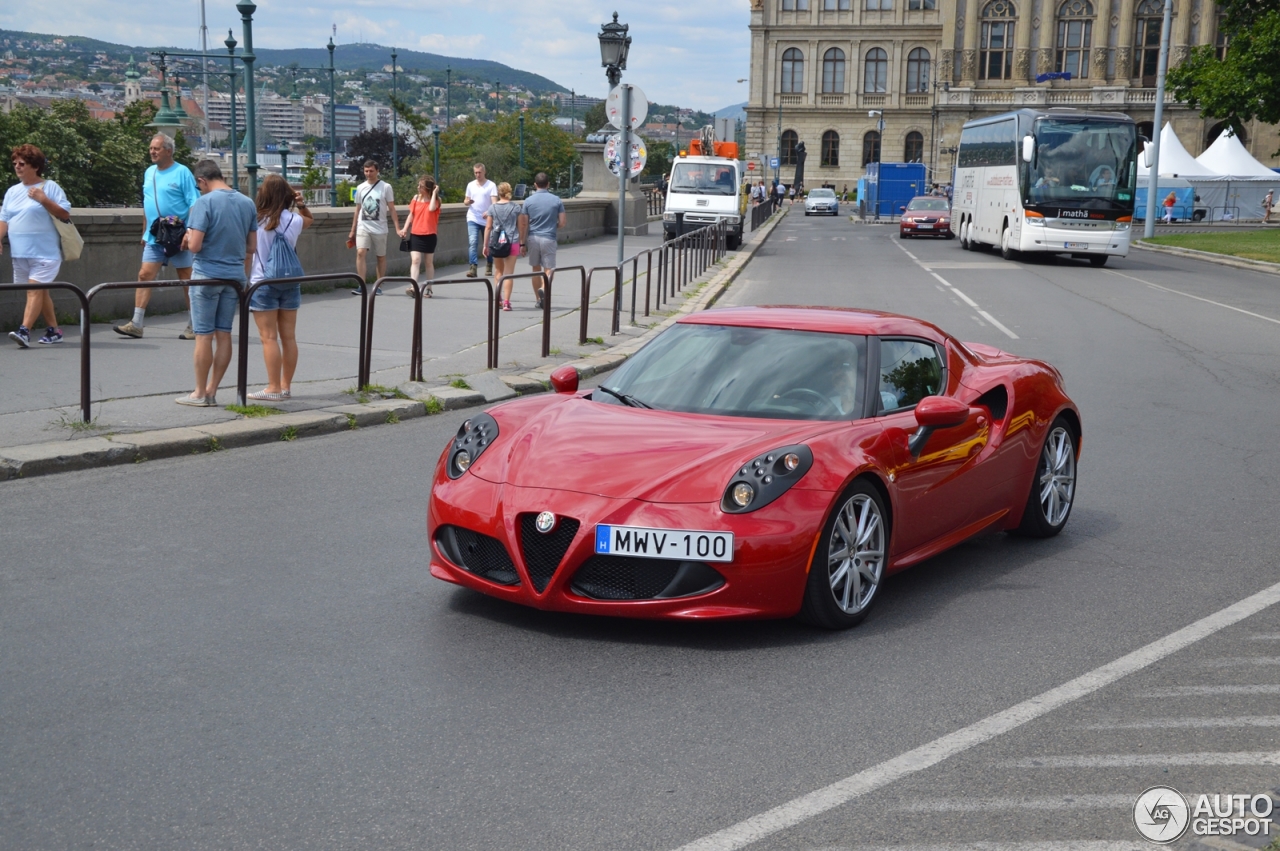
<point x="542" y="292"/>
<point x="506" y="305"/>
<point x="471" y="271"/>
<point x="22" y="337"/>
<point x="378" y="291"/>
<point x="356" y="291"/>
<point x="128" y="329"/>
<point x="188" y="334"/>
<point x="195" y="401"/>
<point x="51" y="336"/>
<point x="409" y="291"/>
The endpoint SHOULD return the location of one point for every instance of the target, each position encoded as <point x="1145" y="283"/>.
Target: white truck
<point x="706" y="187"/>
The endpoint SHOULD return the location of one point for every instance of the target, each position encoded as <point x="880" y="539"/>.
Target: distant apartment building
<point x="350" y="121"/>
<point x="376" y="116"/>
<point x="278" y="118"/>
<point x="313" y="121"/>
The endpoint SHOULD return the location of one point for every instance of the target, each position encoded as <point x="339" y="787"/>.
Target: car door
<point x="931" y="499"/>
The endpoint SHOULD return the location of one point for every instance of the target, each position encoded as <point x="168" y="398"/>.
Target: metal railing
<point x="656" y="201"/>
<point x="760" y="214"/>
<point x="84" y="333"/>
<point x="546" y="312"/>
<point x="415" y="344"/>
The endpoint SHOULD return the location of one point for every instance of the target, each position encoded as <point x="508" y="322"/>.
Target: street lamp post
<point x="333" y="134"/>
<point x="614" y="45"/>
<point x="522" y="142"/>
<point x="777" y="172"/>
<point x="497" y="99"/>
<point x="1153" y="179"/>
<point x="448" y="99"/>
<point x="879" y="116"/>
<point x="395" y="120"/>
<point x="573" y="115"/>
<point x="246" y="8"/>
<point x="230" y="42"/>
<point x="435" y="132"/>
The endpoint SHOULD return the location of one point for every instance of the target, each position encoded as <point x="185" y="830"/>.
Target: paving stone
<point x="453" y="398"/>
<point x="165" y="443"/>
<point x="243" y="432"/>
<point x="308" y="423"/>
<point x="491" y="385"/>
<point x="523" y="384"/>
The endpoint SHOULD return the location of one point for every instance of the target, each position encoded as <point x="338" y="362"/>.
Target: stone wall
<point x="112" y="253"/>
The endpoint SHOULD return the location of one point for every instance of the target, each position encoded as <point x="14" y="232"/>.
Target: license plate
<point x="1079" y="246"/>
<point x="925" y="227"/>
<point x="664" y="543"/>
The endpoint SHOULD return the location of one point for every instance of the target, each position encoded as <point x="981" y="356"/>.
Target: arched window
<point x="1217" y="130"/>
<point x="871" y="147"/>
<point x="831" y="148"/>
<point x="914" y="150"/>
<point x="1075" y="33"/>
<point x="1146" y="41"/>
<point x="995" y="48"/>
<point x="833" y="71"/>
<point x="918" y="70"/>
<point x="792" y="71"/>
<point x="875" y="72"/>
<point x="789" y="141"/>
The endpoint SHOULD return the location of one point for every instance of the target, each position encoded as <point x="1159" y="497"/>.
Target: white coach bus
<point x="1057" y="181"/>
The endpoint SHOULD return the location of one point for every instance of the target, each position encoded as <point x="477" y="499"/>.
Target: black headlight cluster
<point x="475" y="436"/>
<point x="765" y="478"/>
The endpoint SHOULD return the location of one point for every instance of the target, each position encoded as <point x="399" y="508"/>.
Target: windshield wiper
<point x="625" y="398"/>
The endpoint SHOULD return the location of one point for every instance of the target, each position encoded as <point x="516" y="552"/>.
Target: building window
<point x="995" y="49"/>
<point x="914" y="151"/>
<point x="792" y="71"/>
<point x="832" y="5"/>
<point x="918" y="70"/>
<point x="1146" y="41"/>
<point x="879" y="5"/>
<point x="789" y="141"/>
<point x="833" y="71"/>
<point x="1075" y="31"/>
<point x="795" y="5"/>
<point x="871" y="147"/>
<point x="917" y="5"/>
<point x="875" y="71"/>
<point x="831" y="148"/>
<point x="1221" y="40"/>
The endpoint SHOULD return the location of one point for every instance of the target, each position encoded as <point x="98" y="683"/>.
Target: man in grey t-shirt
<point x="541" y="218"/>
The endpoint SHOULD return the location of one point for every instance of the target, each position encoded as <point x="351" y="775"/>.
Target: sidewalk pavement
<point x="135" y="381"/>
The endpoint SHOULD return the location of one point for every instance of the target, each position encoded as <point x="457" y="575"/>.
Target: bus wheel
<point x="1007" y="252"/>
<point x="1098" y="261"/>
<point x="964" y="237"/>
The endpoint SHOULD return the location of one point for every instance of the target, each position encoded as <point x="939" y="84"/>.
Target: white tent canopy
<point x="1174" y="158"/>
<point x="1227" y="156"/>
<point x="1221" y="195"/>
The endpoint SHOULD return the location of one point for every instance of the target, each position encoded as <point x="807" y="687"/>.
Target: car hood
<point x="630" y="453"/>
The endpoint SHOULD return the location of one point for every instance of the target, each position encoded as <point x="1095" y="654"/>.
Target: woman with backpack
<point x="502" y="239"/>
<point x="275" y="306"/>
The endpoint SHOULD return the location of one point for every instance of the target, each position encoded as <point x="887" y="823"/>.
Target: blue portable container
<point x="890" y="186"/>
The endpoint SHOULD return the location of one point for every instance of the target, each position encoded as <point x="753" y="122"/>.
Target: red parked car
<point x="754" y="462"/>
<point x="926" y="215"/>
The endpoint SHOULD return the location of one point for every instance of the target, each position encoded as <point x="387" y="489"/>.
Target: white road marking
<point x="854" y="786"/>
<point x="996" y="323"/>
<point x="1146" y="760"/>
<point x="1197" y="298"/>
<point x="1173" y="723"/>
<point x="1054" y="803"/>
<point x="1210" y="691"/>
<point x="966" y="299"/>
<point x="1083" y="845"/>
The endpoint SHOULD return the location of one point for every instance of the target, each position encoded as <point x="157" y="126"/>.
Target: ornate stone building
<point x="819" y="67"/>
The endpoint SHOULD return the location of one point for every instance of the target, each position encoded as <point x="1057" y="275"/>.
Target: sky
<point x="686" y="53"/>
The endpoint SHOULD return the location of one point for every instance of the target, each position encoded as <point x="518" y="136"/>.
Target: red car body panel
<point x="609" y="464"/>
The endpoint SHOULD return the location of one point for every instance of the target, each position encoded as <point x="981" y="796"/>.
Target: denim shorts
<point x="276" y="297"/>
<point x="152" y="253"/>
<point x="213" y="308"/>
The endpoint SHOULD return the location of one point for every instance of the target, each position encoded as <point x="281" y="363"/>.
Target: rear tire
<point x="1006" y="251"/>
<point x="849" y="564"/>
<point x="1053" y="487"/>
<point x="964" y="237"/>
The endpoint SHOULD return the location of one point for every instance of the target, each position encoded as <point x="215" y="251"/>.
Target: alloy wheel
<point x="1057" y="476"/>
<point x="855" y="554"/>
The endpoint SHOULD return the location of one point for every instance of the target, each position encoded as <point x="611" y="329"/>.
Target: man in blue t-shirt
<point x="168" y="189"/>
<point x="540" y="219"/>
<point x="222" y="235"/>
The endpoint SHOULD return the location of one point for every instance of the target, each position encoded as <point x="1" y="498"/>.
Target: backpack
<point x="499" y="239"/>
<point x="282" y="261"/>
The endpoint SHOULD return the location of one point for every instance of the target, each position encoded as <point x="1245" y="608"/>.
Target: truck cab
<point x="706" y="188"/>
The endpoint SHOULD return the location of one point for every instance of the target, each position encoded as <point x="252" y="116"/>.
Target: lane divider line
<point x="819" y="801"/>
<point x="1197" y="298"/>
<point x="964" y="297"/>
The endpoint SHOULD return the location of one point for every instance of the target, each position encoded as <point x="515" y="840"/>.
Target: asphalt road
<point x="244" y="649"/>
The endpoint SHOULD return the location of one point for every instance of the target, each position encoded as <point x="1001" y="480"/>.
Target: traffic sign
<point x="774" y="162"/>
<point x="638" y="154"/>
<point x="639" y="107"/>
<point x="751" y="166"/>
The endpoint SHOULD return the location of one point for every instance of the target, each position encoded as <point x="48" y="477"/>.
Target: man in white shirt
<point x="480" y="195"/>
<point x="375" y="205"/>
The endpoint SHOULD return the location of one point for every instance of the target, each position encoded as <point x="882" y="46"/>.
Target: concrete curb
<point x="38" y="459"/>
<point x="1211" y="257"/>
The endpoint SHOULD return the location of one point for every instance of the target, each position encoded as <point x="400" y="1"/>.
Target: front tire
<point x="1006" y="248"/>
<point x="849" y="564"/>
<point x="1053" y="489"/>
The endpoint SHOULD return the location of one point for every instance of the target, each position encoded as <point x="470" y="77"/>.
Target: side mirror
<point x="1145" y="156"/>
<point x="565" y="379"/>
<point x="902" y="209"/>
<point x="941" y="412"/>
<point x="1028" y="148"/>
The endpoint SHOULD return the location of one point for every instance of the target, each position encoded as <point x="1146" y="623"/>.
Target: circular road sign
<point x="639" y="107"/>
<point x="751" y="166"/>
<point x="637" y="158"/>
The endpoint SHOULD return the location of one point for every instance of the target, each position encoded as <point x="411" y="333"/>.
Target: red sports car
<point x="926" y="215"/>
<point x="754" y="462"/>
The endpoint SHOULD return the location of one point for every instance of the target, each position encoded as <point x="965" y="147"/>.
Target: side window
<point x="909" y="371"/>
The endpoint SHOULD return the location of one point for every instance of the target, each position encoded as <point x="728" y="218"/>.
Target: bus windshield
<point x="703" y="179"/>
<point x="1082" y="164"/>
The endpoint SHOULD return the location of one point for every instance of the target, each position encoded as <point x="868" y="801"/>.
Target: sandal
<point x="428" y="292"/>
<point x="408" y="291"/>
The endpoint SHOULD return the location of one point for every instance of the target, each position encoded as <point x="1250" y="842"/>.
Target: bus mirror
<point x="1146" y="154"/>
<point x="1028" y="148"/>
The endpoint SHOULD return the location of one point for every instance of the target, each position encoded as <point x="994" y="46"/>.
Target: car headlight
<point x="668" y="217"/>
<point x="765" y="478"/>
<point x="1122" y="225"/>
<point x="474" y="436"/>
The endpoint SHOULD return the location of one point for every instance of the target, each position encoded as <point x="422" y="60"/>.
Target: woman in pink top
<point x="420" y="226"/>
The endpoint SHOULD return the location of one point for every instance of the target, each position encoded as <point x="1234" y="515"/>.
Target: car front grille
<point x="480" y="554"/>
<point x="610" y="577"/>
<point x="543" y="552"/>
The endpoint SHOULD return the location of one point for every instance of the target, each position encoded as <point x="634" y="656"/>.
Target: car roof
<point x="837" y="320"/>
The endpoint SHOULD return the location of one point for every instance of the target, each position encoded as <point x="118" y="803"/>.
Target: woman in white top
<point x="27" y="218"/>
<point x="275" y="306"/>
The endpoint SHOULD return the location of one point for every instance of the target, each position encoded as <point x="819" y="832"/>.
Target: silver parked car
<point x="821" y="201"/>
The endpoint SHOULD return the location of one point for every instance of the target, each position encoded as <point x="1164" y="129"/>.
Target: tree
<point x="658" y="163"/>
<point x="375" y="145"/>
<point x="593" y="119"/>
<point x="313" y="177"/>
<point x="1245" y="83"/>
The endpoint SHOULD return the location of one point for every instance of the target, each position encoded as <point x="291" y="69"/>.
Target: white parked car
<point x="821" y="201"/>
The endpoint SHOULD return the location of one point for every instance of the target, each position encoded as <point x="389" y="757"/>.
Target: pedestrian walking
<point x="222" y="236"/>
<point x="792" y="193"/>
<point x="479" y="196"/>
<point x="420" y="228"/>
<point x="540" y="222"/>
<point x="780" y="192"/>
<point x="168" y="191"/>
<point x="844" y="194"/>
<point x="1267" y="204"/>
<point x="275" y="306"/>
<point x="1169" y="201"/>
<point x="375" y="207"/>
<point x="501" y="239"/>
<point x="27" y="215"/>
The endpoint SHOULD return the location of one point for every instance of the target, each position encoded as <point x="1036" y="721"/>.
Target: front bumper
<point x="772" y="549"/>
<point x="928" y="229"/>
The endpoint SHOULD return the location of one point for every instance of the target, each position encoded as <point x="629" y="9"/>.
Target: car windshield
<point x="702" y="179"/>
<point x="936" y="204"/>
<point x="822" y="193"/>
<point x="1088" y="164"/>
<point x="744" y="372"/>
